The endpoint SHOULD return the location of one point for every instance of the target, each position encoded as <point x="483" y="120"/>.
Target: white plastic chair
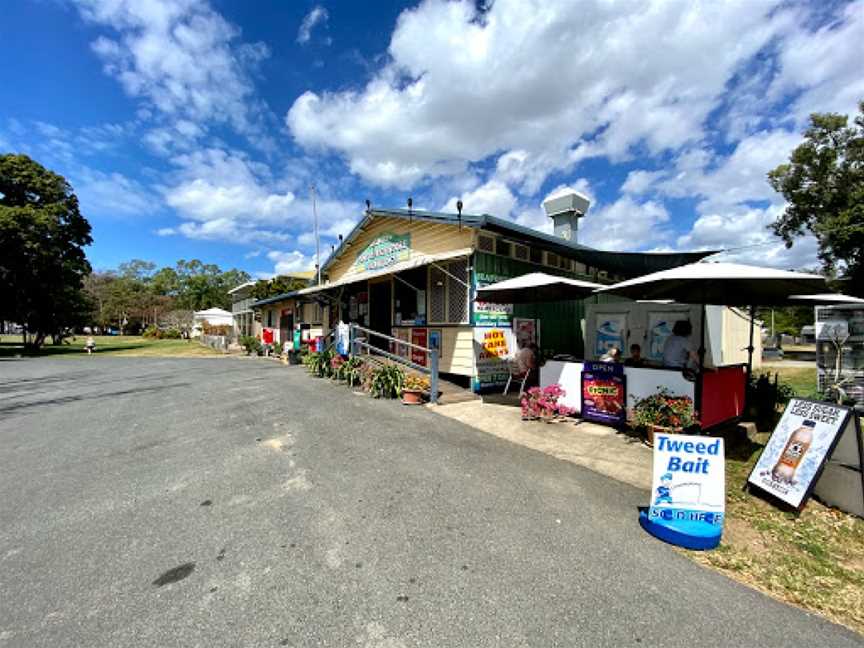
<point x="518" y="375"/>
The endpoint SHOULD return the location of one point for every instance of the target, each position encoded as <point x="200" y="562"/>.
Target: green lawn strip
<point x="128" y="345"/>
<point x="815" y="560"/>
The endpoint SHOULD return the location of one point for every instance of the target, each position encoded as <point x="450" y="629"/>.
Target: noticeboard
<point x="604" y="394"/>
<point x="802" y="441"/>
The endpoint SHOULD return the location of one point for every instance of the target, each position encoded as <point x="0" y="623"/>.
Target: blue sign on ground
<point x="688" y="496"/>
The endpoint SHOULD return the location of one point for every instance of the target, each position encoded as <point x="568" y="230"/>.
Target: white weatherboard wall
<point x="726" y="336"/>
<point x="640" y="382"/>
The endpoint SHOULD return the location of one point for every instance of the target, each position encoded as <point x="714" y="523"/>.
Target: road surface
<point x="236" y="502"/>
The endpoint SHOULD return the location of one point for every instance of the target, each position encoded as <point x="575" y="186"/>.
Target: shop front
<point x="413" y="276"/>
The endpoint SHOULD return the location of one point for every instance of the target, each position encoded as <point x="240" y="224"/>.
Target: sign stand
<point x="688" y="495"/>
<point x="797" y="456"/>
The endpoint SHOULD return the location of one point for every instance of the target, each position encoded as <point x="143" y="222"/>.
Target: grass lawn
<point x="122" y="345"/>
<point x="815" y="560"/>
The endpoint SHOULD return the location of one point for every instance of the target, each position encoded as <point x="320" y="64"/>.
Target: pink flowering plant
<point x="542" y="403"/>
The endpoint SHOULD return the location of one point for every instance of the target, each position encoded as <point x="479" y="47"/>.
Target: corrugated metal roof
<point x="629" y="264"/>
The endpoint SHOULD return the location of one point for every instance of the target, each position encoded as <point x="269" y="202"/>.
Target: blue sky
<point x="193" y="129"/>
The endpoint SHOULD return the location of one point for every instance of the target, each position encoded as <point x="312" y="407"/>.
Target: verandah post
<point x="433" y="380"/>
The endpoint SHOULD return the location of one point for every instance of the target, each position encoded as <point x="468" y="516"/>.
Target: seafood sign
<point x="803" y="440"/>
<point x="603" y="393"/>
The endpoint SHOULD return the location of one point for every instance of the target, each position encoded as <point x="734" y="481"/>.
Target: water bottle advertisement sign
<point x="798" y="448"/>
<point x="688" y="493"/>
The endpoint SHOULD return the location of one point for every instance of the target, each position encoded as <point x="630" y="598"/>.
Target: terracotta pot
<point x="412" y="397"/>
<point x="651" y="430"/>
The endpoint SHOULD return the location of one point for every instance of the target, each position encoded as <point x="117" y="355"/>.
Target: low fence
<point x="218" y="342"/>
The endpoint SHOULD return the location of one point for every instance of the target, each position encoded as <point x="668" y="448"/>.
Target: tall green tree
<point x="278" y="285"/>
<point x="823" y="183"/>
<point x="42" y="259"/>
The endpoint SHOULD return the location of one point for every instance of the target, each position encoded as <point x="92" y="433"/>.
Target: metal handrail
<point x="356" y="342"/>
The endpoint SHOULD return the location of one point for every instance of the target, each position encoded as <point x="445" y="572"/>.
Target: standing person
<point x="90" y="344"/>
<point x="678" y="350"/>
<point x="612" y="355"/>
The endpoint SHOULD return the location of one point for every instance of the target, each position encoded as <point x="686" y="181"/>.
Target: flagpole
<point x="317" y="241"/>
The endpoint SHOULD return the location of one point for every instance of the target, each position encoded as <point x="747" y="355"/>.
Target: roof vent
<point x="565" y="208"/>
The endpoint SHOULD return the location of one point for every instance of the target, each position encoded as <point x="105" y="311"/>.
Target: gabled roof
<point x="630" y="264"/>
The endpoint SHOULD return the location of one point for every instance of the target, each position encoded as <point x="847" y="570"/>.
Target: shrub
<point x="151" y="333"/>
<point x="170" y="334"/>
<point x="353" y="371"/>
<point x="416" y="382"/>
<point x="665" y="410"/>
<point x="219" y="329"/>
<point x="387" y="382"/>
<point x="251" y="344"/>
<point x="542" y="403"/>
<point x="277" y="348"/>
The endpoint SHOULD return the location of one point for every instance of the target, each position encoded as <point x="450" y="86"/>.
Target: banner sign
<point x="609" y="333"/>
<point x="604" y="396"/>
<point x="795" y="454"/>
<point x="527" y="331"/>
<point x="688" y="492"/>
<point x="385" y="251"/>
<point x="493" y="347"/>
<point x="489" y="313"/>
<point x="420" y="337"/>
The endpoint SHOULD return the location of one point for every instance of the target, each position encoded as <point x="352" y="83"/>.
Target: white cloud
<point x="317" y="16"/>
<point x="112" y="194"/>
<point x="293" y="261"/>
<point x="493" y="197"/>
<point x="744" y="232"/>
<point x="625" y="225"/>
<point x="180" y="56"/>
<point x="533" y="80"/>
<point x="824" y="66"/>
<point x="166" y="231"/>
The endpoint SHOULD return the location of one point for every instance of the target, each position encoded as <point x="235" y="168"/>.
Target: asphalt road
<point x="237" y="502"/>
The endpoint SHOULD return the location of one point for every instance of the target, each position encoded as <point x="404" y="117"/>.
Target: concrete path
<point x="237" y="502"/>
<point x="597" y="447"/>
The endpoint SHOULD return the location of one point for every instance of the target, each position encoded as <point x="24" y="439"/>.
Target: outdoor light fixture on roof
<point x="459" y="211"/>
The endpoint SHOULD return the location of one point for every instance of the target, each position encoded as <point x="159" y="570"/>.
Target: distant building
<point x="211" y="316"/>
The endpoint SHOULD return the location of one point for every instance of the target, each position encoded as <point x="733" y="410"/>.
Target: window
<point x="486" y="244"/>
<point x="502" y="247"/>
<point x="581" y="268"/>
<point x="536" y="255"/>
<point x="563" y="263"/>
<point x="448" y="292"/>
<point x="269" y="318"/>
<point x="409" y="297"/>
<point x="552" y="259"/>
<point x="520" y="252"/>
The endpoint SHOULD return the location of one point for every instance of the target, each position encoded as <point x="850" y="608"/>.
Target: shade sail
<point x="725" y="284"/>
<point x="536" y="287"/>
<point x="826" y="298"/>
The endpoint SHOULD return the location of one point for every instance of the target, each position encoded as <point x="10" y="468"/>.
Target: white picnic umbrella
<point x="536" y="287"/>
<point x="825" y="299"/>
<point x="723" y="284"/>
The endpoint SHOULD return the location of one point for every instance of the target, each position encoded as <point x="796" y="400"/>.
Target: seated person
<point x="678" y="350"/>
<point x="526" y="359"/>
<point x="635" y="359"/>
<point x="612" y="355"/>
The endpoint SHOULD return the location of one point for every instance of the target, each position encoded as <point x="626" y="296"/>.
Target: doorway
<point x="380" y="298"/>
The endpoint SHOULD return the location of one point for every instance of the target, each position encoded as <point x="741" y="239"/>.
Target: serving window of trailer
<point x="448" y="292"/>
<point x="409" y="297"/>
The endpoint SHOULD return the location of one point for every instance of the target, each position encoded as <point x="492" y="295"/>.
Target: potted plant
<point x="413" y="389"/>
<point x="387" y="382"/>
<point x="663" y="412"/>
<point x="542" y="403"/>
<point x="337" y="368"/>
